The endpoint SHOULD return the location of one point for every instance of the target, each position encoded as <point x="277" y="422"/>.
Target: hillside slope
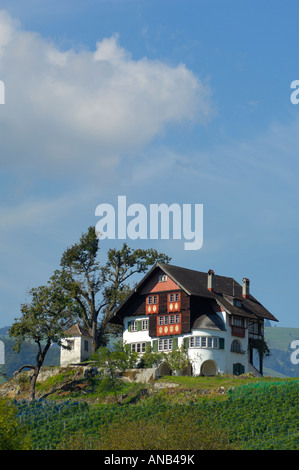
<point x="279" y="340"/>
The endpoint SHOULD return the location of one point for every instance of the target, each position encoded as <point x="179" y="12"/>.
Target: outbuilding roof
<point x="76" y="330"/>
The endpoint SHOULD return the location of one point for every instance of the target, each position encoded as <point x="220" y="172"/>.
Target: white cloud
<point x="84" y="107"/>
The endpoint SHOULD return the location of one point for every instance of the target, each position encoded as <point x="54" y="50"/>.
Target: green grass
<point x="253" y="414"/>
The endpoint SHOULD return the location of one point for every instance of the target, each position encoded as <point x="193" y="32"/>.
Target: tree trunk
<point x="39" y="362"/>
<point x="33" y="383"/>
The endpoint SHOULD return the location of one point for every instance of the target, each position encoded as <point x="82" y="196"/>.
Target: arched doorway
<point x="164" y="369"/>
<point x="208" y="368"/>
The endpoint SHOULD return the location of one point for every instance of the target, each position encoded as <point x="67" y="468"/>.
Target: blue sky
<point x="164" y="102"/>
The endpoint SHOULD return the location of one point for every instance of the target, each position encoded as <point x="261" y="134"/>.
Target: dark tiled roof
<point x="194" y="283"/>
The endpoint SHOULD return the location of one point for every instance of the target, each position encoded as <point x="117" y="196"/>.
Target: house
<point x="217" y="319"/>
<point x="78" y="342"/>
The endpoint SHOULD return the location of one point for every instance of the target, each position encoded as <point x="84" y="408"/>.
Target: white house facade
<point x="219" y="322"/>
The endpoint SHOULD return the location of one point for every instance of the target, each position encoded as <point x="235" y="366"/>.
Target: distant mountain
<point x="279" y="341"/>
<point x="27" y="355"/>
<point x="4" y="331"/>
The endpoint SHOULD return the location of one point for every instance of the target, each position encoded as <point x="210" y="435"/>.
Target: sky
<point x="169" y="101"/>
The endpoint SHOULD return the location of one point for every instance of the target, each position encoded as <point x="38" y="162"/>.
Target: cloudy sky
<point x="165" y="101"/>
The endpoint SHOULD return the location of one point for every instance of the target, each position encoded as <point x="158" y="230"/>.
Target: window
<point x="152" y="299"/>
<point x="169" y="319"/>
<point x="238" y="321"/>
<point x="86" y="345"/>
<point x="174" y="301"/>
<point x="152" y="304"/>
<point x="165" y="344"/>
<point x="138" y="325"/>
<point x="236" y="347"/>
<point x="163" y="278"/>
<point x="174" y="297"/>
<point x="255" y="328"/>
<point x="70" y="344"/>
<point x="138" y="347"/>
<point x="204" y="342"/>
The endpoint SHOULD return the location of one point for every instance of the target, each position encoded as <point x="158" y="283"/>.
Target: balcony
<point x="238" y="331"/>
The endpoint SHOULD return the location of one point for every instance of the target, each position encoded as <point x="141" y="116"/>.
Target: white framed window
<point x="165" y="344"/>
<point x="152" y="299"/>
<point x="204" y="342"/>
<point x="169" y="319"/>
<point x="144" y="324"/>
<point x="174" y="297"/>
<point x="162" y="278"/>
<point x="134" y="325"/>
<point x="238" y="321"/>
<point x="138" y="347"/>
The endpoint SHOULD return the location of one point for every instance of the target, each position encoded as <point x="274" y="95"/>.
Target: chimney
<point x="245" y="287"/>
<point x="211" y="280"/>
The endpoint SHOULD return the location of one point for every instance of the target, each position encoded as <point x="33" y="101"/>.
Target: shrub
<point x="12" y="435"/>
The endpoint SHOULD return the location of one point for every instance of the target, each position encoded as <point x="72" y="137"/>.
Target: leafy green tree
<point x="13" y="436"/>
<point x="177" y="359"/>
<point x="113" y="360"/>
<point x="43" y="322"/>
<point x="150" y="358"/>
<point x="97" y="288"/>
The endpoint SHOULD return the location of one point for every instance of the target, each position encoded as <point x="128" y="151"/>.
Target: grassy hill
<point x="172" y="413"/>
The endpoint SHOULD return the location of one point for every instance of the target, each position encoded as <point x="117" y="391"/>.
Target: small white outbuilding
<point x="79" y="344"/>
